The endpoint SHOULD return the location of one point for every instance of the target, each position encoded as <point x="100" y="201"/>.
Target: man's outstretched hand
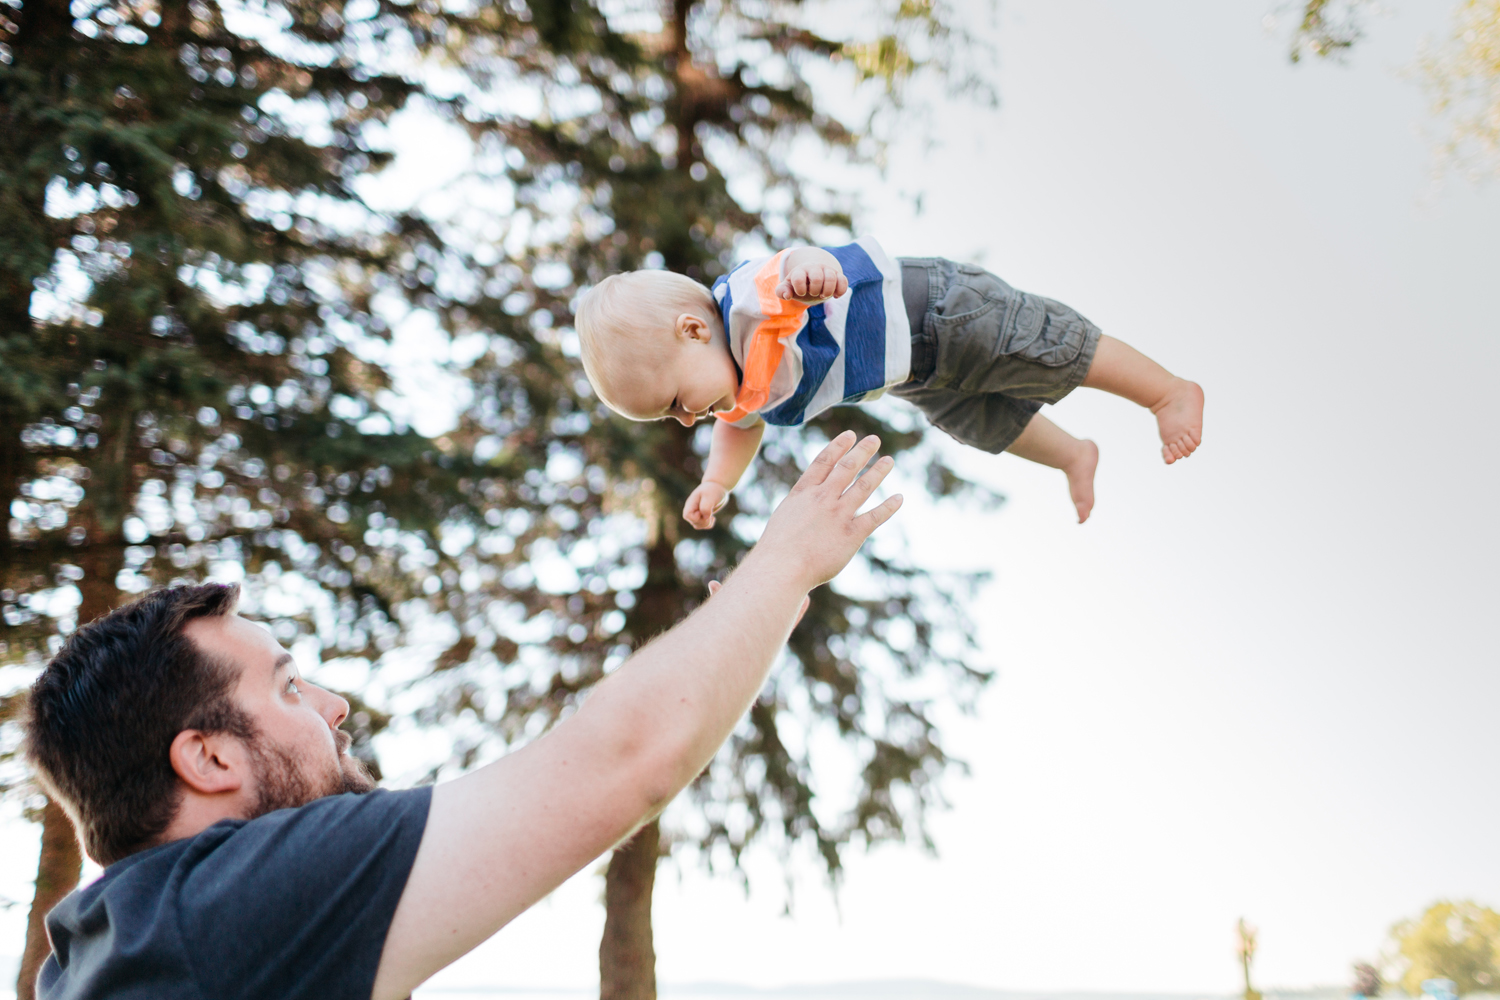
<point x="818" y="527"/>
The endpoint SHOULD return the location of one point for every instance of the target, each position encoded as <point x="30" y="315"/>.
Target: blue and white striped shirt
<point x="845" y="350"/>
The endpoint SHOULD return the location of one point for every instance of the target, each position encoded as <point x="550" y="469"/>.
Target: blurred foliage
<point x="1461" y="72"/>
<point x="1458" y="941"/>
<point x="667" y="140"/>
<point x="1328" y="28"/>
<point x="195" y="307"/>
<point x="1463" y="78"/>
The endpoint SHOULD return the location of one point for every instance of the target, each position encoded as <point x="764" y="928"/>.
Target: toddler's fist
<point x="703" y="503"/>
<point x="813" y="282"/>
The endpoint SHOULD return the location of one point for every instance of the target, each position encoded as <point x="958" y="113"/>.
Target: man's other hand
<point x="818" y="527"/>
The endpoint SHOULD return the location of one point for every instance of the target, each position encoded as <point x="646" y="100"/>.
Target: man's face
<point x="298" y="753"/>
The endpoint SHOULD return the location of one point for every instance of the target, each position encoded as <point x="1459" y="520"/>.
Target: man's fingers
<point x="876" y="516"/>
<point x="866" y="484"/>
<point x="855" y="459"/>
<point x="826" y="460"/>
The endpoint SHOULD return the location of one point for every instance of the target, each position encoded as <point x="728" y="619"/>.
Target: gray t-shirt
<point x="296" y="903"/>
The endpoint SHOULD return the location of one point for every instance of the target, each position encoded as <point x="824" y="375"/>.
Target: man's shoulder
<point x="233" y="854"/>
<point x="131" y="927"/>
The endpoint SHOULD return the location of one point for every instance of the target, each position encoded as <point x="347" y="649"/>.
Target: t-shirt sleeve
<point x="739" y="305"/>
<point x="298" y="902"/>
<point x="724" y="297"/>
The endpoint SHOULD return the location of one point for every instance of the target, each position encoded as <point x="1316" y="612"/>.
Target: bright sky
<point x="1254" y="684"/>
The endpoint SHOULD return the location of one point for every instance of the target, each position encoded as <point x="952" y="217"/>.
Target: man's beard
<point x="281" y="784"/>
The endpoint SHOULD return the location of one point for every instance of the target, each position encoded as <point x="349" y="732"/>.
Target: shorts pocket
<point x="965" y="301"/>
<point x="1044" y="332"/>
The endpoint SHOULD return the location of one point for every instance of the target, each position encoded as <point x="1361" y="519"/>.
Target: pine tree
<point x="191" y="376"/>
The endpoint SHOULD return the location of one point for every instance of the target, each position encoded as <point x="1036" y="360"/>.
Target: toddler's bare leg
<point x="1047" y="444"/>
<point x="1177" y="403"/>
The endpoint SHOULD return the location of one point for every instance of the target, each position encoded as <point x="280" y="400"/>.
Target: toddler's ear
<point x="693" y="327"/>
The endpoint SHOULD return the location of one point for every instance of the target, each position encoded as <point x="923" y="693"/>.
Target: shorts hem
<point x="1078" y="368"/>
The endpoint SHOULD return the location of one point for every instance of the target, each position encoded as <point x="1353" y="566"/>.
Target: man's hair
<point x="618" y="323"/>
<point x="103" y="714"/>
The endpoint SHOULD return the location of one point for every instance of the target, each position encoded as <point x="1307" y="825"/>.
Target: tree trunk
<point x="61" y="862"/>
<point x="56" y="876"/>
<point x="627" y="958"/>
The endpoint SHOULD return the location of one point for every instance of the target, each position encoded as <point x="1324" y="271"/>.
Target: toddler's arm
<point x="812" y="275"/>
<point x="728" y="457"/>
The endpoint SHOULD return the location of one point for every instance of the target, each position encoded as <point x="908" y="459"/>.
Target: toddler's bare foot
<point x="1080" y="473"/>
<point x="1179" y="418"/>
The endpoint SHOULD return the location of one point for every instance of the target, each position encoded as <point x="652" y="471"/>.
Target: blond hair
<point x="624" y="323"/>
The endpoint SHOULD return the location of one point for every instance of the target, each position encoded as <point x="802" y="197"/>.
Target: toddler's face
<point x="694" y="380"/>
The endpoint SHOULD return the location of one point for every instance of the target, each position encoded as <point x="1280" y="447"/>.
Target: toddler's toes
<point x="1174" y="451"/>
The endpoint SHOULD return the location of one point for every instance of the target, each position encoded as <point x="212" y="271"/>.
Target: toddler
<point x="780" y="339"/>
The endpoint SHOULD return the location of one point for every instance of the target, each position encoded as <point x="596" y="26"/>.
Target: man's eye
<point x="291" y="686"/>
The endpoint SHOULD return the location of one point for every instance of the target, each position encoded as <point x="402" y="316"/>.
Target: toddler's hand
<point x="813" y="282"/>
<point x="703" y="503"/>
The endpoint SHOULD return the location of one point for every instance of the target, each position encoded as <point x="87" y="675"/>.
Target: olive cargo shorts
<point x="985" y="357"/>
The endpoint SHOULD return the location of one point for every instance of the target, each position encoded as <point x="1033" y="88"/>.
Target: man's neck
<point x="197" y="812"/>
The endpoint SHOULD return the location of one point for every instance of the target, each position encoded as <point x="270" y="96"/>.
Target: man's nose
<point x="687" y="419"/>
<point x="332" y="707"/>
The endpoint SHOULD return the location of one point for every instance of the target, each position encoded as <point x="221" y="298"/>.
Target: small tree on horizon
<point x="1367" y="980"/>
<point x="1245" y="946"/>
<point x="1450" y="940"/>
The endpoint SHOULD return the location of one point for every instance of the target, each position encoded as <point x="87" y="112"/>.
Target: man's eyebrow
<point x="283" y="660"/>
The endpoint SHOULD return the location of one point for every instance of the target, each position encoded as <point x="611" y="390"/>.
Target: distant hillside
<point x="887" y="989"/>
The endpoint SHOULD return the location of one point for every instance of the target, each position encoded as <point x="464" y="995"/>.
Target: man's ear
<point x="693" y="327"/>
<point x="208" y="764"/>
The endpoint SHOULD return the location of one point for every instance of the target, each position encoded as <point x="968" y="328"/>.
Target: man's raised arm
<point x="499" y="839"/>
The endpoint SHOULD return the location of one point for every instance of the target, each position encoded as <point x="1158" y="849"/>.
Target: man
<point x="207" y="775"/>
